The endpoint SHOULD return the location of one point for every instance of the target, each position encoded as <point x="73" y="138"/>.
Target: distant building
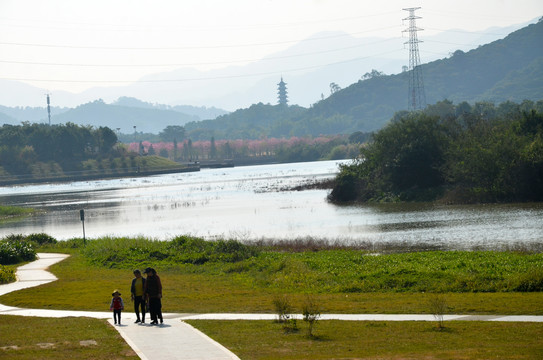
<point x="282" y="93"/>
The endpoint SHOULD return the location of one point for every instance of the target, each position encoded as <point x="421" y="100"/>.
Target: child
<point x="117" y="305"/>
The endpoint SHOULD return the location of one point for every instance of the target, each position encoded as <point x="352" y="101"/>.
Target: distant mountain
<point x="507" y="69"/>
<point x="16" y="115"/>
<point x="5" y="119"/>
<point x="124" y="118"/>
<point x="308" y="67"/>
<point x="200" y="112"/>
<point x="123" y="114"/>
<point x="252" y="123"/>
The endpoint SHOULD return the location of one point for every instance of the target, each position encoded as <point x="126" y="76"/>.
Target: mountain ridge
<point x="238" y="87"/>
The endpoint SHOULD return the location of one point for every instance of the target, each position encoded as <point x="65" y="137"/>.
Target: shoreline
<point x="70" y="178"/>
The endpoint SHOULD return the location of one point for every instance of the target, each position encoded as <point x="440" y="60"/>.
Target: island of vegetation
<point x="451" y="153"/>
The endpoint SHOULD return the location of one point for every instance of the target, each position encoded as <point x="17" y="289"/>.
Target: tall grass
<point x="7" y="275"/>
<point x="10" y="211"/>
<point x="131" y="252"/>
<point x="322" y="269"/>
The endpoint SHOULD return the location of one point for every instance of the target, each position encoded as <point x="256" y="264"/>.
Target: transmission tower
<point x="416" y="96"/>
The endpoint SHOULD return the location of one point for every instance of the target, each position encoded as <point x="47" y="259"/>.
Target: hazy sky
<point x="81" y="44"/>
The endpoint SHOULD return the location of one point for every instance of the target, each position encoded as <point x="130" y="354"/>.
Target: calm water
<point x="242" y="203"/>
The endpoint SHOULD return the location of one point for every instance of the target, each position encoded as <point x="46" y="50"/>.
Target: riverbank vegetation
<point x="229" y="276"/>
<point x="454" y="153"/>
<point x="283" y="150"/>
<point x="68" y="152"/>
<point x="7" y="212"/>
<point x="15" y="249"/>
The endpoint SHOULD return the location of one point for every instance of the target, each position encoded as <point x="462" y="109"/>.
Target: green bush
<point x="41" y="239"/>
<point x="467" y="157"/>
<point x="6" y="275"/>
<point x="15" y="249"/>
<point x="131" y="252"/>
<point x="528" y="282"/>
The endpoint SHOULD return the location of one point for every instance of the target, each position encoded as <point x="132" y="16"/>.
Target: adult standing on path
<point x="137" y="291"/>
<point x="153" y="294"/>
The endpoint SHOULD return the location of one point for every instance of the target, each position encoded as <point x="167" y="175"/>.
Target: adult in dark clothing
<point x="137" y="289"/>
<point x="153" y="294"/>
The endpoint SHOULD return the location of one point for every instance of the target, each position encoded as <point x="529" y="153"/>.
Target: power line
<point x="200" y="28"/>
<point x="477" y="16"/>
<point x="465" y="31"/>
<point x="202" y="78"/>
<point x="191" y="47"/>
<point x="198" y="63"/>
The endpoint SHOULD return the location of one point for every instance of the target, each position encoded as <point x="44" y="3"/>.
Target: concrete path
<point x="176" y="339"/>
<point x="172" y="340"/>
<point x="370" y="317"/>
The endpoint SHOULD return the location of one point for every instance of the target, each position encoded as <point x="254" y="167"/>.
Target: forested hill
<point x="507" y="69"/>
<point x="123" y="114"/>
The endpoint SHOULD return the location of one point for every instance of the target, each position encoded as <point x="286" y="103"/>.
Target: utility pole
<point x="49" y="109"/>
<point x="82" y="217"/>
<point x="416" y="96"/>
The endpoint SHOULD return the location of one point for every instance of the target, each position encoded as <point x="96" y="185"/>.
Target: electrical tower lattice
<point x="416" y="96"/>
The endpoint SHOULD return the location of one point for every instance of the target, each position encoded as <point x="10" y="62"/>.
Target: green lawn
<point x="193" y="289"/>
<point x="227" y="277"/>
<point x="67" y="338"/>
<point x="378" y="340"/>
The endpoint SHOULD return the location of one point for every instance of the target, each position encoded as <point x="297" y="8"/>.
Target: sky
<point x="74" y="45"/>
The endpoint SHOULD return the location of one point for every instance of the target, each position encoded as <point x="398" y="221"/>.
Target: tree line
<point x="294" y="149"/>
<point x="456" y="153"/>
<point x="67" y="144"/>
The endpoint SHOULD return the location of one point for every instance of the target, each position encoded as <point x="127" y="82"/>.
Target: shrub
<point x="13" y="250"/>
<point x="528" y="282"/>
<point x="130" y="252"/>
<point x="438" y="307"/>
<point x="311" y="312"/>
<point x="6" y="275"/>
<point x="41" y="239"/>
<point x="233" y="251"/>
<point x="283" y="308"/>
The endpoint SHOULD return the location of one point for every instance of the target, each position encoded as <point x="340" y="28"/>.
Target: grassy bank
<point x="7" y="212"/>
<point x="101" y="168"/>
<point x="227" y="276"/>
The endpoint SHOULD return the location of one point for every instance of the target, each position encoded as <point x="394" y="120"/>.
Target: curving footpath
<point x="174" y="339"/>
<point x="177" y="339"/>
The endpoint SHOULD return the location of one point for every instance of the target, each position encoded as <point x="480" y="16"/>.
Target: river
<point x="243" y="203"/>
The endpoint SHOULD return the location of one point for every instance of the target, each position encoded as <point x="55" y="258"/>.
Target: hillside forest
<point x="454" y="154"/>
<point x="507" y="69"/>
<point x="23" y="146"/>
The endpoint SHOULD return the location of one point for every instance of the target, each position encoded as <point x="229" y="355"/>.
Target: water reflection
<point x="241" y="203"/>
